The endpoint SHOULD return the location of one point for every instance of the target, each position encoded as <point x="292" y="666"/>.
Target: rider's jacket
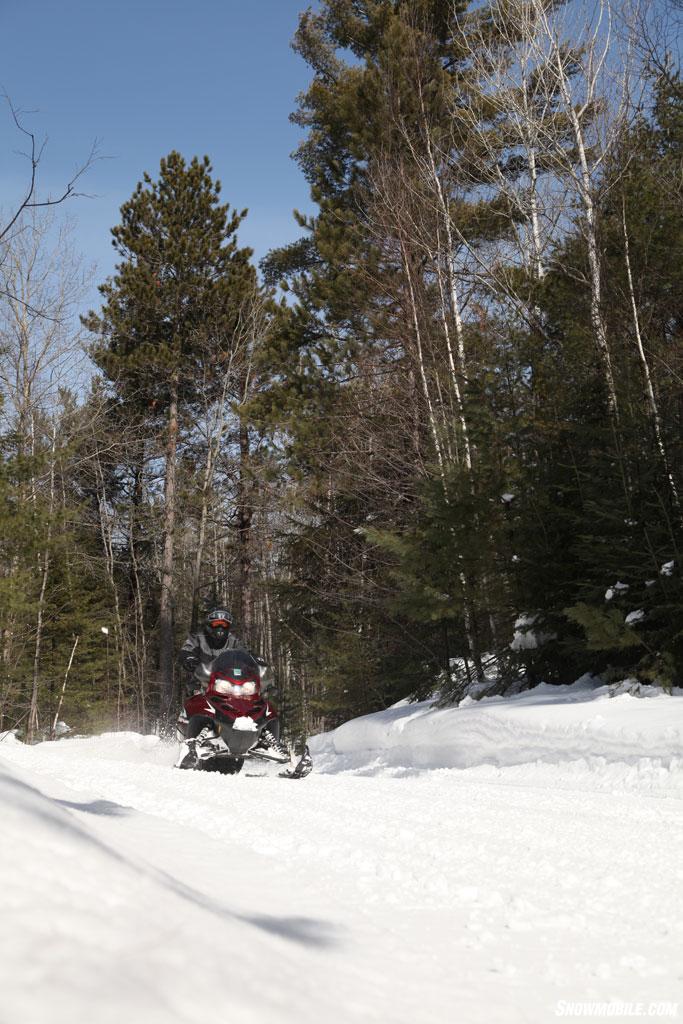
<point x="197" y="646"/>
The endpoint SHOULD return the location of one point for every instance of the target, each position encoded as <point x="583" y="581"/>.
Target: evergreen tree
<point x="178" y="289"/>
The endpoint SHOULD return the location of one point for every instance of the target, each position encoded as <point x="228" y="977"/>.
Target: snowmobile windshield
<point x="239" y="666"/>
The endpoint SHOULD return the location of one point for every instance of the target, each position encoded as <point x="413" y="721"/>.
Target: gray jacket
<point x="198" y="647"/>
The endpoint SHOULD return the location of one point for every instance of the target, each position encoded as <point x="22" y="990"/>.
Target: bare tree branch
<point x="34" y="156"/>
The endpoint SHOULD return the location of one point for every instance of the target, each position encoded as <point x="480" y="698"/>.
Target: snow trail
<point x="134" y="891"/>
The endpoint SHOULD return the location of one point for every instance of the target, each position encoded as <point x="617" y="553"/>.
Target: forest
<point x="434" y="445"/>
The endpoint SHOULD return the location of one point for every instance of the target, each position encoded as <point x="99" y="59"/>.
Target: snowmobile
<point x="231" y="720"/>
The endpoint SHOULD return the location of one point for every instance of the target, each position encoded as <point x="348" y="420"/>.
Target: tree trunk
<point x="244" y="525"/>
<point x="107" y="529"/>
<point x="168" y="557"/>
<point x="215" y="439"/>
<point x="53" y="731"/>
<point x="197" y="563"/>
<point x="650" y="396"/>
<point x="585" y="193"/>
<point x="33" y="722"/>
<point x="468" y="608"/>
<point x="456" y="373"/>
<point x="140" y="632"/>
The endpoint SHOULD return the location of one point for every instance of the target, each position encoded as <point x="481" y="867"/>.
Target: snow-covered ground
<point x="565" y="735"/>
<point x="507" y="861"/>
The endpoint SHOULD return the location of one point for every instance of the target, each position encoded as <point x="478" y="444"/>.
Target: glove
<point x="190" y="662"/>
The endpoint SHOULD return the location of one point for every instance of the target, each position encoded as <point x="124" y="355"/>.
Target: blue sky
<point x="145" y="77"/>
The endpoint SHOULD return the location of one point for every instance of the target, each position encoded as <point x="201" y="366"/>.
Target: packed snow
<point x="511" y="860"/>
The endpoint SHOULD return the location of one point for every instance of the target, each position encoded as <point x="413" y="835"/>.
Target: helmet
<point x="217" y="626"/>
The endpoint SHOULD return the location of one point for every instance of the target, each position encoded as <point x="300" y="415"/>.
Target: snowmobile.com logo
<point x="616" y="1010"/>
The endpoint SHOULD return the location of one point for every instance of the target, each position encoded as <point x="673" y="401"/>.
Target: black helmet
<point x="217" y="626"/>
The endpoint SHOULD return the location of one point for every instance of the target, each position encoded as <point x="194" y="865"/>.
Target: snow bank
<point x="77" y="914"/>
<point x="549" y="724"/>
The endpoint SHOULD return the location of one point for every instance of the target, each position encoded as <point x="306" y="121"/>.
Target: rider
<point x="212" y="640"/>
<point x="203" y="647"/>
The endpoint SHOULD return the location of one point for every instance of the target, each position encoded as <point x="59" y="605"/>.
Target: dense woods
<point x="433" y="445"/>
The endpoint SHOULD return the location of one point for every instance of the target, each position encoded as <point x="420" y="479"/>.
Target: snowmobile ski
<point x="301" y="769"/>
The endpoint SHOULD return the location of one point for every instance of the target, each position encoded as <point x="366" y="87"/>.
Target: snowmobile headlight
<point x="229" y="689"/>
<point x="224" y="686"/>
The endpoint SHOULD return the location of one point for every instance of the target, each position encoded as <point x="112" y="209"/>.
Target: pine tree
<point x="178" y="289"/>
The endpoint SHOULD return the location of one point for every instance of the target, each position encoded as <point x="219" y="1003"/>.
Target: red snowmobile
<point x="232" y="721"/>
